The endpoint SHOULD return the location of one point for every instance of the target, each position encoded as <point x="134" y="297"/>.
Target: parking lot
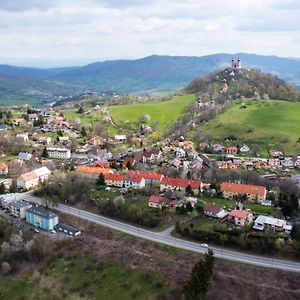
<point x="23" y="225"/>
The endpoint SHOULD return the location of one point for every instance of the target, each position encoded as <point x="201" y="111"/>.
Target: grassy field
<point x="272" y="124"/>
<point x="162" y="113"/>
<point x="84" y="279"/>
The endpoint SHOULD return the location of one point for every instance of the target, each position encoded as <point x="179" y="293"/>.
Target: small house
<point x="3" y="169"/>
<point x="241" y="217"/>
<point x="214" y="211"/>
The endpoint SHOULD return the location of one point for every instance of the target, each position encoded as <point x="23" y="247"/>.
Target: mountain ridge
<point x="154" y="73"/>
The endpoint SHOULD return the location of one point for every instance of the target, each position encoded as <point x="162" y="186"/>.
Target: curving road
<point x="165" y="238"/>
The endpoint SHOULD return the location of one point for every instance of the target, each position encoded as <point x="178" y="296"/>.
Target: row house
<point x="114" y="180"/>
<point x="94" y="170"/>
<point x="134" y="182"/>
<point x="253" y="192"/>
<point x="180" y="184"/>
<point x="150" y="177"/>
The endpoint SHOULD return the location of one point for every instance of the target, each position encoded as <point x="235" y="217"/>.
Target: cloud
<point x="99" y="29"/>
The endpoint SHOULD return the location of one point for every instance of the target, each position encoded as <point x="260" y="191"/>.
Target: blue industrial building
<point x="41" y="217"/>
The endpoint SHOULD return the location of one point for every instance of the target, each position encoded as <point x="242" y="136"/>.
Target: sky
<point x="48" y="33"/>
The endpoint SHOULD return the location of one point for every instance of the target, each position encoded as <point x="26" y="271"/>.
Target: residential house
<point x="23" y="137"/>
<point x="232" y="150"/>
<point x="63" y="139"/>
<point x="241" y="217"/>
<point x="180" y="153"/>
<point x="253" y="192"/>
<point x="176" y="163"/>
<point x="59" y="153"/>
<point x="244" y="149"/>
<point x="41" y="218"/>
<point x="203" y="146"/>
<point x="151" y="155"/>
<point x="296" y="161"/>
<point x="150" y="177"/>
<point x="274" y="162"/>
<point x="287" y="163"/>
<point x="95" y="141"/>
<point x="120" y="138"/>
<point x="276" y="154"/>
<point x="31" y="179"/>
<point x="217" y="148"/>
<point x="180" y="184"/>
<point x="3" y="169"/>
<point x="214" y="211"/>
<point x="24" y="156"/>
<point x="3" y="127"/>
<point x="186" y="145"/>
<point x="134" y="182"/>
<point x="33" y="117"/>
<point x="196" y="163"/>
<point x="7" y="183"/>
<point x="44" y="140"/>
<point x="192" y="200"/>
<point x="157" y="201"/>
<point x="115" y="180"/>
<point x="267" y="223"/>
<point x="18" y="208"/>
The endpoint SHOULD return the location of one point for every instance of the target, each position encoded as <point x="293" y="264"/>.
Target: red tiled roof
<point x="195" y="184"/>
<point x="213" y="208"/>
<point x="101" y="164"/>
<point x="243" y="188"/>
<point x="3" y="166"/>
<point x="146" y="175"/>
<point x="155" y="199"/>
<point x="116" y="177"/>
<point x="93" y="170"/>
<point x="241" y="214"/>
<point x="29" y="176"/>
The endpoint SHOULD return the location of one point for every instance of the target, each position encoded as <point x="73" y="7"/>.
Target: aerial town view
<point x="149" y="150"/>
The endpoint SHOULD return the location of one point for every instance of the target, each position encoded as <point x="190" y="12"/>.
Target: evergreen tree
<point x="80" y="110"/>
<point x="101" y="180"/>
<point x="197" y="285"/>
<point x="13" y="187"/>
<point x="2" y="189"/>
<point x="83" y="131"/>
<point x="45" y="153"/>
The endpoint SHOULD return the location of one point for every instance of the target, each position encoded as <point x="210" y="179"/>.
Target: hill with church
<point x="235" y="82"/>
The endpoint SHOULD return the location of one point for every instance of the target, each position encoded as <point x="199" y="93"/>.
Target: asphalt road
<point x="165" y="238"/>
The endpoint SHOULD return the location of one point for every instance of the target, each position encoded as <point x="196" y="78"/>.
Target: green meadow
<point x="163" y="113"/>
<point x="268" y="124"/>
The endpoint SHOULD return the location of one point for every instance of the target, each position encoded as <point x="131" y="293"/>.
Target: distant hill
<point x="150" y="74"/>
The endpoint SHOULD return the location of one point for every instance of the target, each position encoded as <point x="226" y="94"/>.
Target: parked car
<point x="204" y="245"/>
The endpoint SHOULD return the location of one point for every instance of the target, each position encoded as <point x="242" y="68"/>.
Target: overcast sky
<point x="66" y="32"/>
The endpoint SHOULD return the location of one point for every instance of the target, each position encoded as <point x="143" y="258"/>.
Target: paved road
<point x="166" y="239"/>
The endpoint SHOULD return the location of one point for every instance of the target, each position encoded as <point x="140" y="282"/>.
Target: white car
<point x="204" y="245"/>
<point x="36" y="230"/>
<point x="53" y="231"/>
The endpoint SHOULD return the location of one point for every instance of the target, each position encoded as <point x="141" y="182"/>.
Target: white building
<point x="18" y="208"/>
<point x="272" y="224"/>
<point x="22" y="137"/>
<point x="60" y="153"/>
<point x="121" y="138"/>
